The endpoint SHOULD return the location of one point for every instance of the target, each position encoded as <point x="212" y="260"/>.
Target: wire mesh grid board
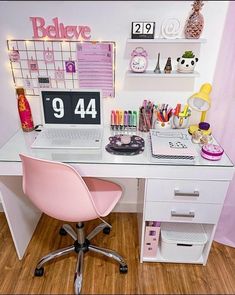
<point x="37" y="64"/>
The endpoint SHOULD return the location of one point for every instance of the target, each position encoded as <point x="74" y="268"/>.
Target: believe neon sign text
<point x="58" y="30"/>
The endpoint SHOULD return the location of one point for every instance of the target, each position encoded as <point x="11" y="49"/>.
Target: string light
<point x="10" y="38"/>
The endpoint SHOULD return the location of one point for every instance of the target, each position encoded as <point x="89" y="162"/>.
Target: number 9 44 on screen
<point x="72" y="108"/>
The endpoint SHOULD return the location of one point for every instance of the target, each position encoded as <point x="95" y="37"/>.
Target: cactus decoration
<point x="188" y="54"/>
<point x="195" y="22"/>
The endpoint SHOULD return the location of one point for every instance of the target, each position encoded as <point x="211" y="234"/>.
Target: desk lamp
<point x="201" y="102"/>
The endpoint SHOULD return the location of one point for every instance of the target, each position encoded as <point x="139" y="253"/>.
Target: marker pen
<point x="134" y="119"/>
<point x="129" y="119"/>
<point x="112" y="119"/>
<point x="117" y="120"/>
<point x="125" y="119"/>
<point x="121" y="119"/>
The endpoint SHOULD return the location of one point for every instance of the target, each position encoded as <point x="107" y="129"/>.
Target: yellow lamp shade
<point x="201" y="100"/>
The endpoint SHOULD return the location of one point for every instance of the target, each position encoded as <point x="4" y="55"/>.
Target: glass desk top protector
<point x="20" y="143"/>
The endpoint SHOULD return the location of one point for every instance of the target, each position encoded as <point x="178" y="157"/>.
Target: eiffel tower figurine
<point x="157" y="69"/>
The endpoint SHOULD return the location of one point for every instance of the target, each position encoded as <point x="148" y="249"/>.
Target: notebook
<point x="72" y="119"/>
<point x="172" y="146"/>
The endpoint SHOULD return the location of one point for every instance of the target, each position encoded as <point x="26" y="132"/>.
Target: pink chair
<point x="59" y="191"/>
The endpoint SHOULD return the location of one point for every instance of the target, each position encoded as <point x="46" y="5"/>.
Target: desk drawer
<point x="187" y="190"/>
<point x="185" y="212"/>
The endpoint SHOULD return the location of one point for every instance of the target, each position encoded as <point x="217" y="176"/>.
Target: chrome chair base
<point x="81" y="246"/>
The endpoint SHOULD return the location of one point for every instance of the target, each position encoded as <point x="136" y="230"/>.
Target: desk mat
<point x="117" y="147"/>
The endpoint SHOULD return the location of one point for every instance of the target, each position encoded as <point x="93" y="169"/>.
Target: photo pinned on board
<point x="59" y="74"/>
<point x="48" y="56"/>
<point x="14" y="55"/>
<point x="70" y="66"/>
<point x="33" y="65"/>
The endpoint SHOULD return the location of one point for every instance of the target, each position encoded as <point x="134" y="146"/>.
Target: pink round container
<point x="212" y="152"/>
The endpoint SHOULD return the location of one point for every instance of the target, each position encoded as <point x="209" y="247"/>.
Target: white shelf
<point x="162" y="40"/>
<point x="159" y="258"/>
<point x="173" y="74"/>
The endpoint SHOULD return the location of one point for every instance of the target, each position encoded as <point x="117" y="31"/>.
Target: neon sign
<point x="58" y="30"/>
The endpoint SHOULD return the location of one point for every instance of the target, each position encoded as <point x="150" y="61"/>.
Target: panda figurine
<point x="186" y="63"/>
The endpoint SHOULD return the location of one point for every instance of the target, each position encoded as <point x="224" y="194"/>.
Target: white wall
<point x="111" y="21"/>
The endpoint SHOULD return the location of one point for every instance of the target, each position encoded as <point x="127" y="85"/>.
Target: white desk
<point x="156" y="187"/>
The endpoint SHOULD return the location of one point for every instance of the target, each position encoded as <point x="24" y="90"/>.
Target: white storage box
<point x="182" y="242"/>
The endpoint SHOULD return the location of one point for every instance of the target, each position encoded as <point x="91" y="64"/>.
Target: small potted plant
<point x="187" y="62"/>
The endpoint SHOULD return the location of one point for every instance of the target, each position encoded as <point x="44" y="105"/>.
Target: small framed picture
<point x="33" y="65"/>
<point x="142" y="30"/>
<point x="70" y="66"/>
<point x="44" y="82"/>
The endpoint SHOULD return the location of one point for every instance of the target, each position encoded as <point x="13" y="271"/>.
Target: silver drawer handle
<point x="182" y="194"/>
<point x="182" y="214"/>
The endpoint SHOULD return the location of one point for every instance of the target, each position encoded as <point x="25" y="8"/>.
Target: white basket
<point x="182" y="242"/>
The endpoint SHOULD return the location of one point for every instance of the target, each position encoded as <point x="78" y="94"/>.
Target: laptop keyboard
<point x="69" y="134"/>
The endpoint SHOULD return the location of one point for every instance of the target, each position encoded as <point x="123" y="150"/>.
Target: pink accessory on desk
<point x="212" y="152"/>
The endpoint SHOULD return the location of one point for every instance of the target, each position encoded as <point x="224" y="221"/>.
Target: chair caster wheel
<point x="123" y="268"/>
<point x="106" y="230"/>
<point x="62" y="232"/>
<point x="39" y="272"/>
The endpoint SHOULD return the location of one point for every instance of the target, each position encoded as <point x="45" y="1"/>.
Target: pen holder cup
<point x="164" y="125"/>
<point x="178" y="122"/>
<point x="144" y="126"/>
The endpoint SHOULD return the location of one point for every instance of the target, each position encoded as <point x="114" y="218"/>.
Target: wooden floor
<point x="101" y="276"/>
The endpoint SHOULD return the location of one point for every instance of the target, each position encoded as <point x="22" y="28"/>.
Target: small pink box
<point x="151" y="240"/>
<point x="212" y="152"/>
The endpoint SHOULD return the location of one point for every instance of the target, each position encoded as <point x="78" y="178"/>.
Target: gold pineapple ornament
<point x="195" y="22"/>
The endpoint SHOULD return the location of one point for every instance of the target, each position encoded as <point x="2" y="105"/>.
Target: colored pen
<point x="185" y="111"/>
<point x="177" y="109"/>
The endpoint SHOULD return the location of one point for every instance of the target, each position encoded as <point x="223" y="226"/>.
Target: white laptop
<point x="72" y="119"/>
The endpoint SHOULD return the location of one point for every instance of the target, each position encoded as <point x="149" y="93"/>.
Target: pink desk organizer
<point x="152" y="233"/>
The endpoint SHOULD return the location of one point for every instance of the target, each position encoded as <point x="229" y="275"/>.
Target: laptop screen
<point x="71" y="107"/>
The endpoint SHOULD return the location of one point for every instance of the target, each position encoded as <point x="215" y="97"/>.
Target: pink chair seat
<point x="105" y="194"/>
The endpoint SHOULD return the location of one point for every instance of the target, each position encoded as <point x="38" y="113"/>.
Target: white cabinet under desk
<point x="189" y="199"/>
